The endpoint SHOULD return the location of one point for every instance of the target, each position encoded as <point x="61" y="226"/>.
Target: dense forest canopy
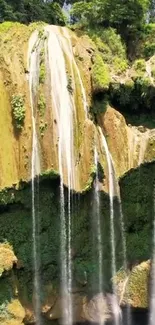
<point x="119" y="13"/>
<point x="128" y="17"/>
<point x="26" y="11"/>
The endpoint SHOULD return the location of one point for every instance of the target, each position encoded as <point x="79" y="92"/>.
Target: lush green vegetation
<point x="100" y="74"/>
<point x="128" y="17"/>
<point x="27" y="11"/>
<point x="18" y="110"/>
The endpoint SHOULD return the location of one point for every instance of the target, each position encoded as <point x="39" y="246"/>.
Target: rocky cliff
<point x="108" y="94"/>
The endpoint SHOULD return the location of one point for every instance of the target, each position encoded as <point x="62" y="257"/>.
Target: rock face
<point x="12" y="312"/>
<point x="15" y="158"/>
<point x="7" y="258"/>
<point x="132" y="148"/>
<point x="128" y="144"/>
<point x="133" y="288"/>
<point x="96" y="309"/>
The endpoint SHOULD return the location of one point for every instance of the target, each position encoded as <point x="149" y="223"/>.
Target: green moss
<point x="7" y="25"/>
<point x="42" y="71"/>
<point x="137" y="203"/>
<point x="49" y="174"/>
<point x="100" y="74"/>
<point x="121" y="93"/>
<point x="41" y="104"/>
<point x="42" y="127"/>
<point x="69" y="85"/>
<point x="7" y="257"/>
<point x="147" y="46"/>
<point x="136" y="292"/>
<point x="99" y="106"/>
<point x="134" y="95"/>
<point x="140" y="66"/>
<point x="18" y="110"/>
<point x="108" y="42"/>
<point x="120" y="66"/>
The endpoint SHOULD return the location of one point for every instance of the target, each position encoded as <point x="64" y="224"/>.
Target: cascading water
<point x="33" y="68"/>
<point x="69" y="52"/>
<point x="152" y="296"/>
<point x="98" y="230"/>
<point x="64" y="109"/>
<point x="124" y="249"/>
<point x="112" y="232"/>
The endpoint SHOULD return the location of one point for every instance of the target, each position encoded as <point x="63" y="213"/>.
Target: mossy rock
<point x="7" y="258"/>
<point x="12" y="313"/>
<point x="132" y="288"/>
<point x="100" y="75"/>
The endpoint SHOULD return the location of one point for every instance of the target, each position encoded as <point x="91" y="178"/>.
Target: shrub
<point x="41" y="104"/>
<point x="99" y="106"/>
<point x="113" y="40"/>
<point x="140" y="65"/>
<point x="120" y="65"/>
<point x="100" y="74"/>
<point x="42" y="71"/>
<point x="42" y="128"/>
<point x="69" y="85"/>
<point x="18" y="110"/>
<point x="149" y="50"/>
<point x="109" y="40"/>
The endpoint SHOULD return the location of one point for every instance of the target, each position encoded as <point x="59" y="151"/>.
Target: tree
<point x="6" y="12"/>
<point x="151" y="14"/>
<point x="126" y="16"/>
<point x="27" y="11"/>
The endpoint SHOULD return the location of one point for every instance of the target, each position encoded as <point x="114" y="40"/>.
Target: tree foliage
<point x="26" y="11"/>
<point x="126" y="16"/>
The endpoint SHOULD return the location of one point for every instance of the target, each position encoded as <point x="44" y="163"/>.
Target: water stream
<point x="152" y="295"/>
<point x="98" y="228"/>
<point x="111" y="177"/>
<point x="59" y="50"/>
<point x="64" y="110"/>
<point x="33" y="68"/>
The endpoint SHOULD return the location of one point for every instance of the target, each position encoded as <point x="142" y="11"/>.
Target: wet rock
<point x="132" y="288"/>
<point x="7" y="257"/>
<point x="99" y="308"/>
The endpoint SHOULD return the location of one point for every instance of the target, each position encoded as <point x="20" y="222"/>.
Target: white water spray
<point x="152" y="299"/>
<point x="112" y="232"/>
<point x="64" y="109"/>
<point x="98" y="230"/>
<point x="33" y="68"/>
<point x="69" y="51"/>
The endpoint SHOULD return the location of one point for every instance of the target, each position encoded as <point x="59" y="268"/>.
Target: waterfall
<point x="69" y="51"/>
<point x="98" y="229"/>
<point x="64" y="109"/>
<point x="112" y="231"/>
<point x="125" y="288"/>
<point x="33" y="68"/>
<point x="152" y="296"/>
<point x="138" y="142"/>
<point x="143" y="146"/>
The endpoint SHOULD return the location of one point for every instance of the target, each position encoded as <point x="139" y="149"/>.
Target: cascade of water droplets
<point x="152" y="296"/>
<point x="98" y="230"/>
<point x="111" y="177"/>
<point x="33" y="68"/>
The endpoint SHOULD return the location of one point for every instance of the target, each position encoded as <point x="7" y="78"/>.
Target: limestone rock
<point x="12" y="313"/>
<point x="7" y="258"/>
<point x="98" y="308"/>
<point x="132" y="288"/>
<point x="129" y="145"/>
